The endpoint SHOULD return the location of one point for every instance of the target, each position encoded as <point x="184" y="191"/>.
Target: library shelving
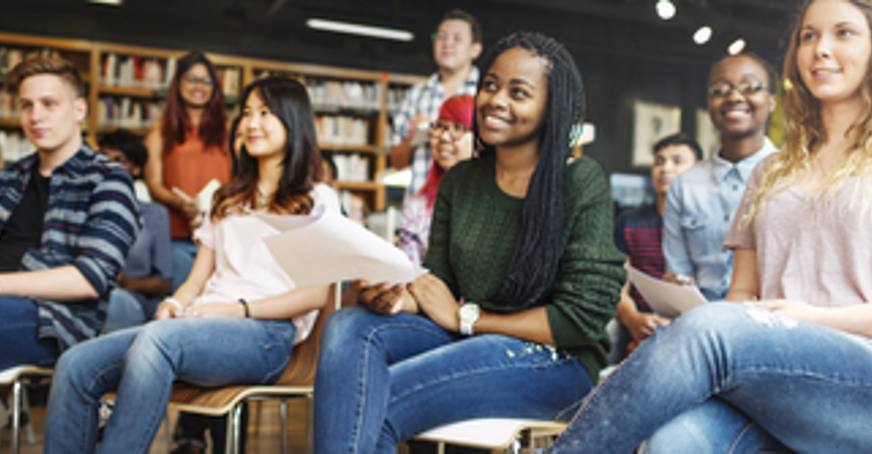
<point x="127" y="86"/>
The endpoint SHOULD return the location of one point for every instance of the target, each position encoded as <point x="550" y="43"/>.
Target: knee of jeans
<point x="679" y="436"/>
<point x="71" y="368"/>
<point x="345" y="325"/>
<point x="149" y="344"/>
<point x="711" y="319"/>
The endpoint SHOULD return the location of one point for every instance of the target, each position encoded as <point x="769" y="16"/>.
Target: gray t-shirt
<point x="820" y="254"/>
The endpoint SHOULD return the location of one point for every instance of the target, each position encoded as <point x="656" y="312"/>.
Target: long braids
<point x="541" y="241"/>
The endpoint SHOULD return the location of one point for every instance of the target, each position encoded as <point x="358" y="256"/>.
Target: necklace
<point x="261" y="198"/>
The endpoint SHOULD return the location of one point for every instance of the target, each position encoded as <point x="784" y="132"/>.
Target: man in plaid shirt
<point x="457" y="43"/>
<point x="67" y="219"/>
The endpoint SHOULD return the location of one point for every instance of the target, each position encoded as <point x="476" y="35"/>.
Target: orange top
<point x="189" y="166"/>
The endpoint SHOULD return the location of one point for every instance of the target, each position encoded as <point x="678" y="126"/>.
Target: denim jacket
<point x="700" y="207"/>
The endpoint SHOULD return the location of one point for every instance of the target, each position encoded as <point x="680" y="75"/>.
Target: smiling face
<point x="453" y="48"/>
<point x="670" y="161"/>
<point x="510" y="107"/>
<point x="50" y="112"/>
<point x="734" y="113"/>
<point x="196" y="86"/>
<point x="834" y="51"/>
<point x="265" y="135"/>
<point x="450" y="143"/>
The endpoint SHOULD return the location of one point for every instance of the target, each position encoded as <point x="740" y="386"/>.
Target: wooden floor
<point x="263" y="435"/>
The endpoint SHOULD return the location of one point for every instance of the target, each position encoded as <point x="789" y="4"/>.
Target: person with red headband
<point x="451" y="141"/>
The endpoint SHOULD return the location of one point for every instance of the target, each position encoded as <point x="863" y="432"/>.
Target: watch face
<point x="468" y="311"/>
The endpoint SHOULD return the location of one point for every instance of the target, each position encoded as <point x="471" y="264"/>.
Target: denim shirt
<point x="700" y="207"/>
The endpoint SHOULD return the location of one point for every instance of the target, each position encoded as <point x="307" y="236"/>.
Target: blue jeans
<point x="384" y="379"/>
<point x="184" y="252"/>
<point x="18" y="335"/>
<point x="731" y="378"/>
<point x="141" y="364"/>
<point x="124" y="311"/>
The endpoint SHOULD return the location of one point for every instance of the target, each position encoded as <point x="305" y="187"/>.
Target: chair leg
<point x="25" y="405"/>
<point x="310" y="423"/>
<point x="283" y="420"/>
<point x="235" y="436"/>
<point x="16" y="414"/>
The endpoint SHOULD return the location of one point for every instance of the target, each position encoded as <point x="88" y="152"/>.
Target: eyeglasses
<point x="196" y="80"/>
<point x="455" y="130"/>
<point x="723" y="89"/>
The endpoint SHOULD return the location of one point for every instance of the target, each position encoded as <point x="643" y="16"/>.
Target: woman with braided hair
<point x="523" y="277"/>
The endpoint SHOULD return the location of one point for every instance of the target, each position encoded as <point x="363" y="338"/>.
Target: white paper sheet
<point x="325" y="247"/>
<point x="667" y="299"/>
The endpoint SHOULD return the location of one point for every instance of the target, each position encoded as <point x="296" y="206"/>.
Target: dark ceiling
<point x="276" y="28"/>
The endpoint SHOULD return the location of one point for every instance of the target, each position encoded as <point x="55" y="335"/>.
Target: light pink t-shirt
<point x="244" y="268"/>
<point x="805" y="252"/>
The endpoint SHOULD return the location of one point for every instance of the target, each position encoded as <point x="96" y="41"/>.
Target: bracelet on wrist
<point x="245" y="306"/>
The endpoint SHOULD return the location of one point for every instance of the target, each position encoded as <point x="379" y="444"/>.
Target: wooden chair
<point x="297" y="381"/>
<point x="14" y="376"/>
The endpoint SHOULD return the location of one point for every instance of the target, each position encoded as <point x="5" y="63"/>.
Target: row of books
<point x="14" y="146"/>
<point x="335" y="94"/>
<point x="353" y="205"/>
<point x="125" y="112"/>
<point x="8" y="105"/>
<point x="156" y="73"/>
<point x="396" y="95"/>
<point x="135" y="71"/>
<point x="351" y="167"/>
<point x="10" y="56"/>
<point x="342" y="130"/>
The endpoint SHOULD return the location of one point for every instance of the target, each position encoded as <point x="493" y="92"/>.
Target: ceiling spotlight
<point x="702" y="35"/>
<point x="106" y="2"/>
<point x="665" y="9"/>
<point x="359" y="29"/>
<point x="737" y="46"/>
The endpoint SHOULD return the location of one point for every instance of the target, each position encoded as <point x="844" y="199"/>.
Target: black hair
<point x="474" y="25"/>
<point x="541" y="241"/>
<point x="234" y="153"/>
<point x="128" y="143"/>
<point x="771" y="74"/>
<point x="327" y="158"/>
<point x="679" y="138"/>
<point x="288" y="100"/>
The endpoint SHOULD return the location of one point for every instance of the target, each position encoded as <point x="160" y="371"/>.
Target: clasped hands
<point x="427" y="294"/>
<point x="168" y="310"/>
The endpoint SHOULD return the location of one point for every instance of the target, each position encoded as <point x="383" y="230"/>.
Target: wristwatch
<point x="469" y="313"/>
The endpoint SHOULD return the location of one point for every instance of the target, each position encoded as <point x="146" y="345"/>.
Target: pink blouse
<point x="244" y="268"/>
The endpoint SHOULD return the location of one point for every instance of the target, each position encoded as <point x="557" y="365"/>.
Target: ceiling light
<point x="737" y="46"/>
<point x="107" y="2"/>
<point x="702" y="35"/>
<point x="665" y="9"/>
<point x="358" y="29"/>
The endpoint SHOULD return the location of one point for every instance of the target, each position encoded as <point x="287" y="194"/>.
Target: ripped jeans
<point x="730" y="378"/>
<point x="384" y="379"/>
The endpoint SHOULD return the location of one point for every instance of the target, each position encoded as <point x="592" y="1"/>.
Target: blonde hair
<point x="804" y="133"/>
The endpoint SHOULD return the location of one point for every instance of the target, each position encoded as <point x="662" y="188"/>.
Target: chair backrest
<point x="301" y="367"/>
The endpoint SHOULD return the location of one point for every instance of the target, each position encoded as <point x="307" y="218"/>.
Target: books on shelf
<point x="344" y="95"/>
<point x="341" y="130"/>
<point x="351" y="168"/>
<point x="136" y="71"/>
<point x="353" y="205"/>
<point x="230" y="78"/>
<point x="14" y="146"/>
<point x="124" y="112"/>
<point x="8" y="105"/>
<point x="10" y="56"/>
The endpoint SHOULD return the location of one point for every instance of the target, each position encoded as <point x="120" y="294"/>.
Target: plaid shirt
<point x="425" y="99"/>
<point x="91" y="220"/>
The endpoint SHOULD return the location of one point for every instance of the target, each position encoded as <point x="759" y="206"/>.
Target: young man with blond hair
<point x="67" y="219"/>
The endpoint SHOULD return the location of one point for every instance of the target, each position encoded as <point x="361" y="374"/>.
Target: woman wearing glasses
<point x="701" y="202"/>
<point x="450" y="142"/>
<point x="187" y="149"/>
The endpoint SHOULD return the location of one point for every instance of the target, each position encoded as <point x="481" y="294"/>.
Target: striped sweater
<point x="91" y="220"/>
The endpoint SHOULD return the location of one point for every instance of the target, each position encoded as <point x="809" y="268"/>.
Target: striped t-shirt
<point x="639" y="234"/>
<point x="91" y="220"/>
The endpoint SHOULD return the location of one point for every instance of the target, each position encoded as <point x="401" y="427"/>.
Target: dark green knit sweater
<point x="473" y="238"/>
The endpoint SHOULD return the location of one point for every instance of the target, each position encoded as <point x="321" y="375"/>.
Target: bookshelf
<point x="127" y="87"/>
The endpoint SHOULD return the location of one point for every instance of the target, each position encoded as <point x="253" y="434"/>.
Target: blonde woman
<point x="792" y="363"/>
